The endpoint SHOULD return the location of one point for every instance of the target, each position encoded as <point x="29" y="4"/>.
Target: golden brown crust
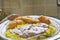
<point x="22" y="20"/>
<point x="44" y="20"/>
<point x="28" y="20"/>
<point x="19" y="22"/>
<point x="18" y="18"/>
<point x="14" y="23"/>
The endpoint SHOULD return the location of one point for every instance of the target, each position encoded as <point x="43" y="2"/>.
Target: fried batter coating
<point x="44" y="20"/>
<point x="28" y="20"/>
<point x="19" y="22"/>
<point x="22" y="20"/>
<point x="14" y="24"/>
<point x="18" y="18"/>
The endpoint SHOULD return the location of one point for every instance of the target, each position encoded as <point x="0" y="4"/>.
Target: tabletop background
<point x="29" y="7"/>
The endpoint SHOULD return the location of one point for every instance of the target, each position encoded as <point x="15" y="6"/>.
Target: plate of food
<point x="30" y="28"/>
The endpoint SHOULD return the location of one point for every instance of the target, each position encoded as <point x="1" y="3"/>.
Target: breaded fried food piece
<point x="19" y="22"/>
<point x="29" y="20"/>
<point x="44" y="20"/>
<point x="14" y="24"/>
<point x="19" y="18"/>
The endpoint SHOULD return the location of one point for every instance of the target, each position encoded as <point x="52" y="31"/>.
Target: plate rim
<point x="32" y="15"/>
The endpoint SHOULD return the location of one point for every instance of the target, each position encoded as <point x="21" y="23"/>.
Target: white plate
<point x="55" y="22"/>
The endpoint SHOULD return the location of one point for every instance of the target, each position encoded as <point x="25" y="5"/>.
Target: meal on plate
<point x="27" y="28"/>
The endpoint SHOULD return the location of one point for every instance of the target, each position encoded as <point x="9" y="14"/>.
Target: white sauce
<point x="30" y="29"/>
